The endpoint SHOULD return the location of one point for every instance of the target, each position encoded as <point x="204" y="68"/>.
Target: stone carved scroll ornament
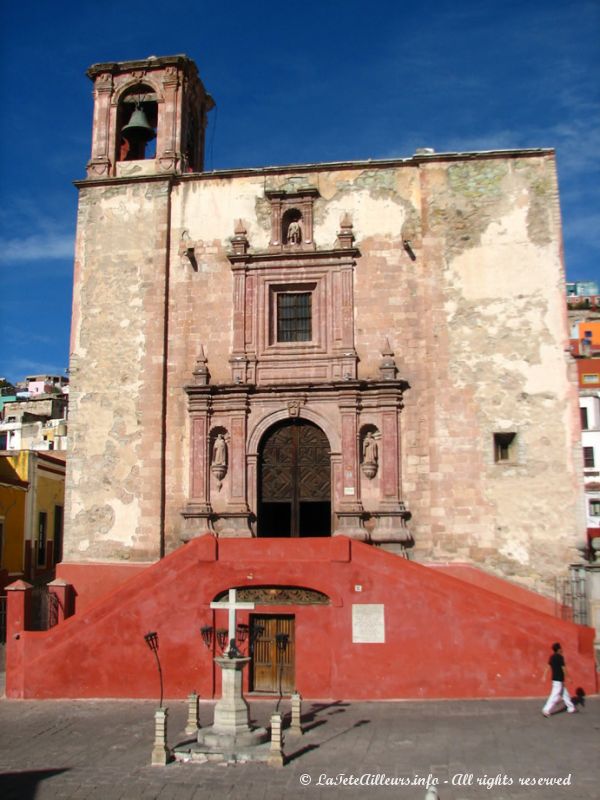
<point x="218" y="465"/>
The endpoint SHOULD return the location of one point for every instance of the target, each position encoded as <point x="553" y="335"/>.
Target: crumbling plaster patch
<point x="208" y="210"/>
<point x="474" y="195"/>
<point x="382" y="202"/>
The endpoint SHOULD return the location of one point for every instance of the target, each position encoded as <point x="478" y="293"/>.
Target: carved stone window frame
<point x="270" y="287"/>
<point x="290" y="290"/>
<point x="282" y="203"/>
<point x="257" y="357"/>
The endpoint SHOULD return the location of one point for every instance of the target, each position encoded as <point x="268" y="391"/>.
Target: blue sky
<point x="294" y="83"/>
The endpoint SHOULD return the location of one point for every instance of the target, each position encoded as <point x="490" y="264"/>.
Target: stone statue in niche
<point x="294" y="232"/>
<point x="220" y="451"/>
<point x="219" y="460"/>
<point x="370" y="455"/>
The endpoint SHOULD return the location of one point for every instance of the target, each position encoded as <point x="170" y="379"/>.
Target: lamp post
<point x="242" y="635"/>
<point x="151" y="640"/>
<point x="207" y="632"/>
<point x="281" y="642"/>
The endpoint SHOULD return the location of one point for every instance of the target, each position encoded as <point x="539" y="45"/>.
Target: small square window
<point x="504" y="447"/>
<point x="590" y="377"/>
<point x="588" y="458"/>
<point x="294" y="316"/>
<point x="584" y="418"/>
<point x="594" y="508"/>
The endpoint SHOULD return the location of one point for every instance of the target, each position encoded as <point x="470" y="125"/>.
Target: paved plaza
<point x="100" y="750"/>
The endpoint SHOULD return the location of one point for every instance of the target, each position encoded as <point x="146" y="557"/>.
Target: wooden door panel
<point x="295" y="468"/>
<point x="271" y="667"/>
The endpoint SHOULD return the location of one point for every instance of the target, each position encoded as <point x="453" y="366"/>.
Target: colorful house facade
<point x="32" y="491"/>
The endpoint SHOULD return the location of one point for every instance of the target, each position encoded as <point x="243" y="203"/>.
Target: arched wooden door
<point x="294" y="481"/>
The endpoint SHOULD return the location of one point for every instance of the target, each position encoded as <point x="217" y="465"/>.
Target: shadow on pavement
<point x="23" y="785"/>
<point x="302" y="751"/>
<point x="335" y="707"/>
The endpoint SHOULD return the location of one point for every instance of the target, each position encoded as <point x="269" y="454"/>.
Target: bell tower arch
<point x="136" y="102"/>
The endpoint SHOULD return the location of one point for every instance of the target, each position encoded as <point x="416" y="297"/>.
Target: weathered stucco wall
<point x="492" y="245"/>
<point x="115" y="429"/>
<point x="474" y="311"/>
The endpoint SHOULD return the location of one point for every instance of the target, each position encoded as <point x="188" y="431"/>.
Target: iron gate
<point x="571" y="595"/>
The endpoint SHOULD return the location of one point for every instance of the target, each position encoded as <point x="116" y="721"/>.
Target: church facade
<point x="281" y="371"/>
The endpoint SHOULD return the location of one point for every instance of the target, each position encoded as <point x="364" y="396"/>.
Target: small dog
<point x="578" y="698"/>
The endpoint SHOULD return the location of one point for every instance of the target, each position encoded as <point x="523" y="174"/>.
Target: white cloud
<point x="37" y="247"/>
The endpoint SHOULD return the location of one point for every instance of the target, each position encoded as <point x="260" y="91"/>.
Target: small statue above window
<point x="294" y="232"/>
<point x="292" y="218"/>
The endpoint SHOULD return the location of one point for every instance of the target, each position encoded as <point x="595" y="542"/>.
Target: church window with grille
<point x="294" y="316"/>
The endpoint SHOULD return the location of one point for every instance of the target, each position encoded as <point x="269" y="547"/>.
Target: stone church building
<point x="343" y="390"/>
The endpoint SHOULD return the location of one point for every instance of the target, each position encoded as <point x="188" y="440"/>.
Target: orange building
<point x="32" y="490"/>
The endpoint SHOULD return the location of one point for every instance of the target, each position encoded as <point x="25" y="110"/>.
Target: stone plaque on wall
<point x="368" y="623"/>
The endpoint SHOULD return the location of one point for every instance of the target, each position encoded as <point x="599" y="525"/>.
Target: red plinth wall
<point x="444" y="637"/>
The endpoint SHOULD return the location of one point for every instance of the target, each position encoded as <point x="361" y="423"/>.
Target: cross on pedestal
<point x="232" y="606"/>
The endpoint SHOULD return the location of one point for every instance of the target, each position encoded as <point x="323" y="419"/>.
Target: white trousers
<point x="557" y="693"/>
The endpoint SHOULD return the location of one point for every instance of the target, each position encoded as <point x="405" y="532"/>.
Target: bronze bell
<point x="138" y="129"/>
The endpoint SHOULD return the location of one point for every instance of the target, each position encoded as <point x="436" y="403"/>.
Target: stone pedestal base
<point x="350" y="524"/>
<point x="231" y="712"/>
<point x="234" y="525"/>
<point x="230" y="737"/>
<point x="390" y="526"/>
<point x="161" y="754"/>
<point x="197" y="521"/>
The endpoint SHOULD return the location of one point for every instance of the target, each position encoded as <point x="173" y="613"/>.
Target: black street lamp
<point x="281" y="643"/>
<point x="208" y="634"/>
<point x="257" y="632"/>
<point x="222" y="639"/>
<point x="151" y="640"/>
<point x="242" y="634"/>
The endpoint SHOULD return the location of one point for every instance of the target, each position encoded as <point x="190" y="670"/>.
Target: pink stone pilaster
<point x="100" y="161"/>
<point x="390" y="457"/>
<point x="167" y="145"/>
<point x="349" y="509"/>
<point x="198" y="512"/>
<point x="199" y="455"/>
<point x="235" y="520"/>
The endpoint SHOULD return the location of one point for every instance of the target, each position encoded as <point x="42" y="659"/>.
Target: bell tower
<point x="149" y="117"/>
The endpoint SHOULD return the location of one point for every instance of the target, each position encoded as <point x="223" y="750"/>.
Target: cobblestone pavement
<point x="100" y="750"/>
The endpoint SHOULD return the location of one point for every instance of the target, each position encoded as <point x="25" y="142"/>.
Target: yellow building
<point x="32" y="490"/>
